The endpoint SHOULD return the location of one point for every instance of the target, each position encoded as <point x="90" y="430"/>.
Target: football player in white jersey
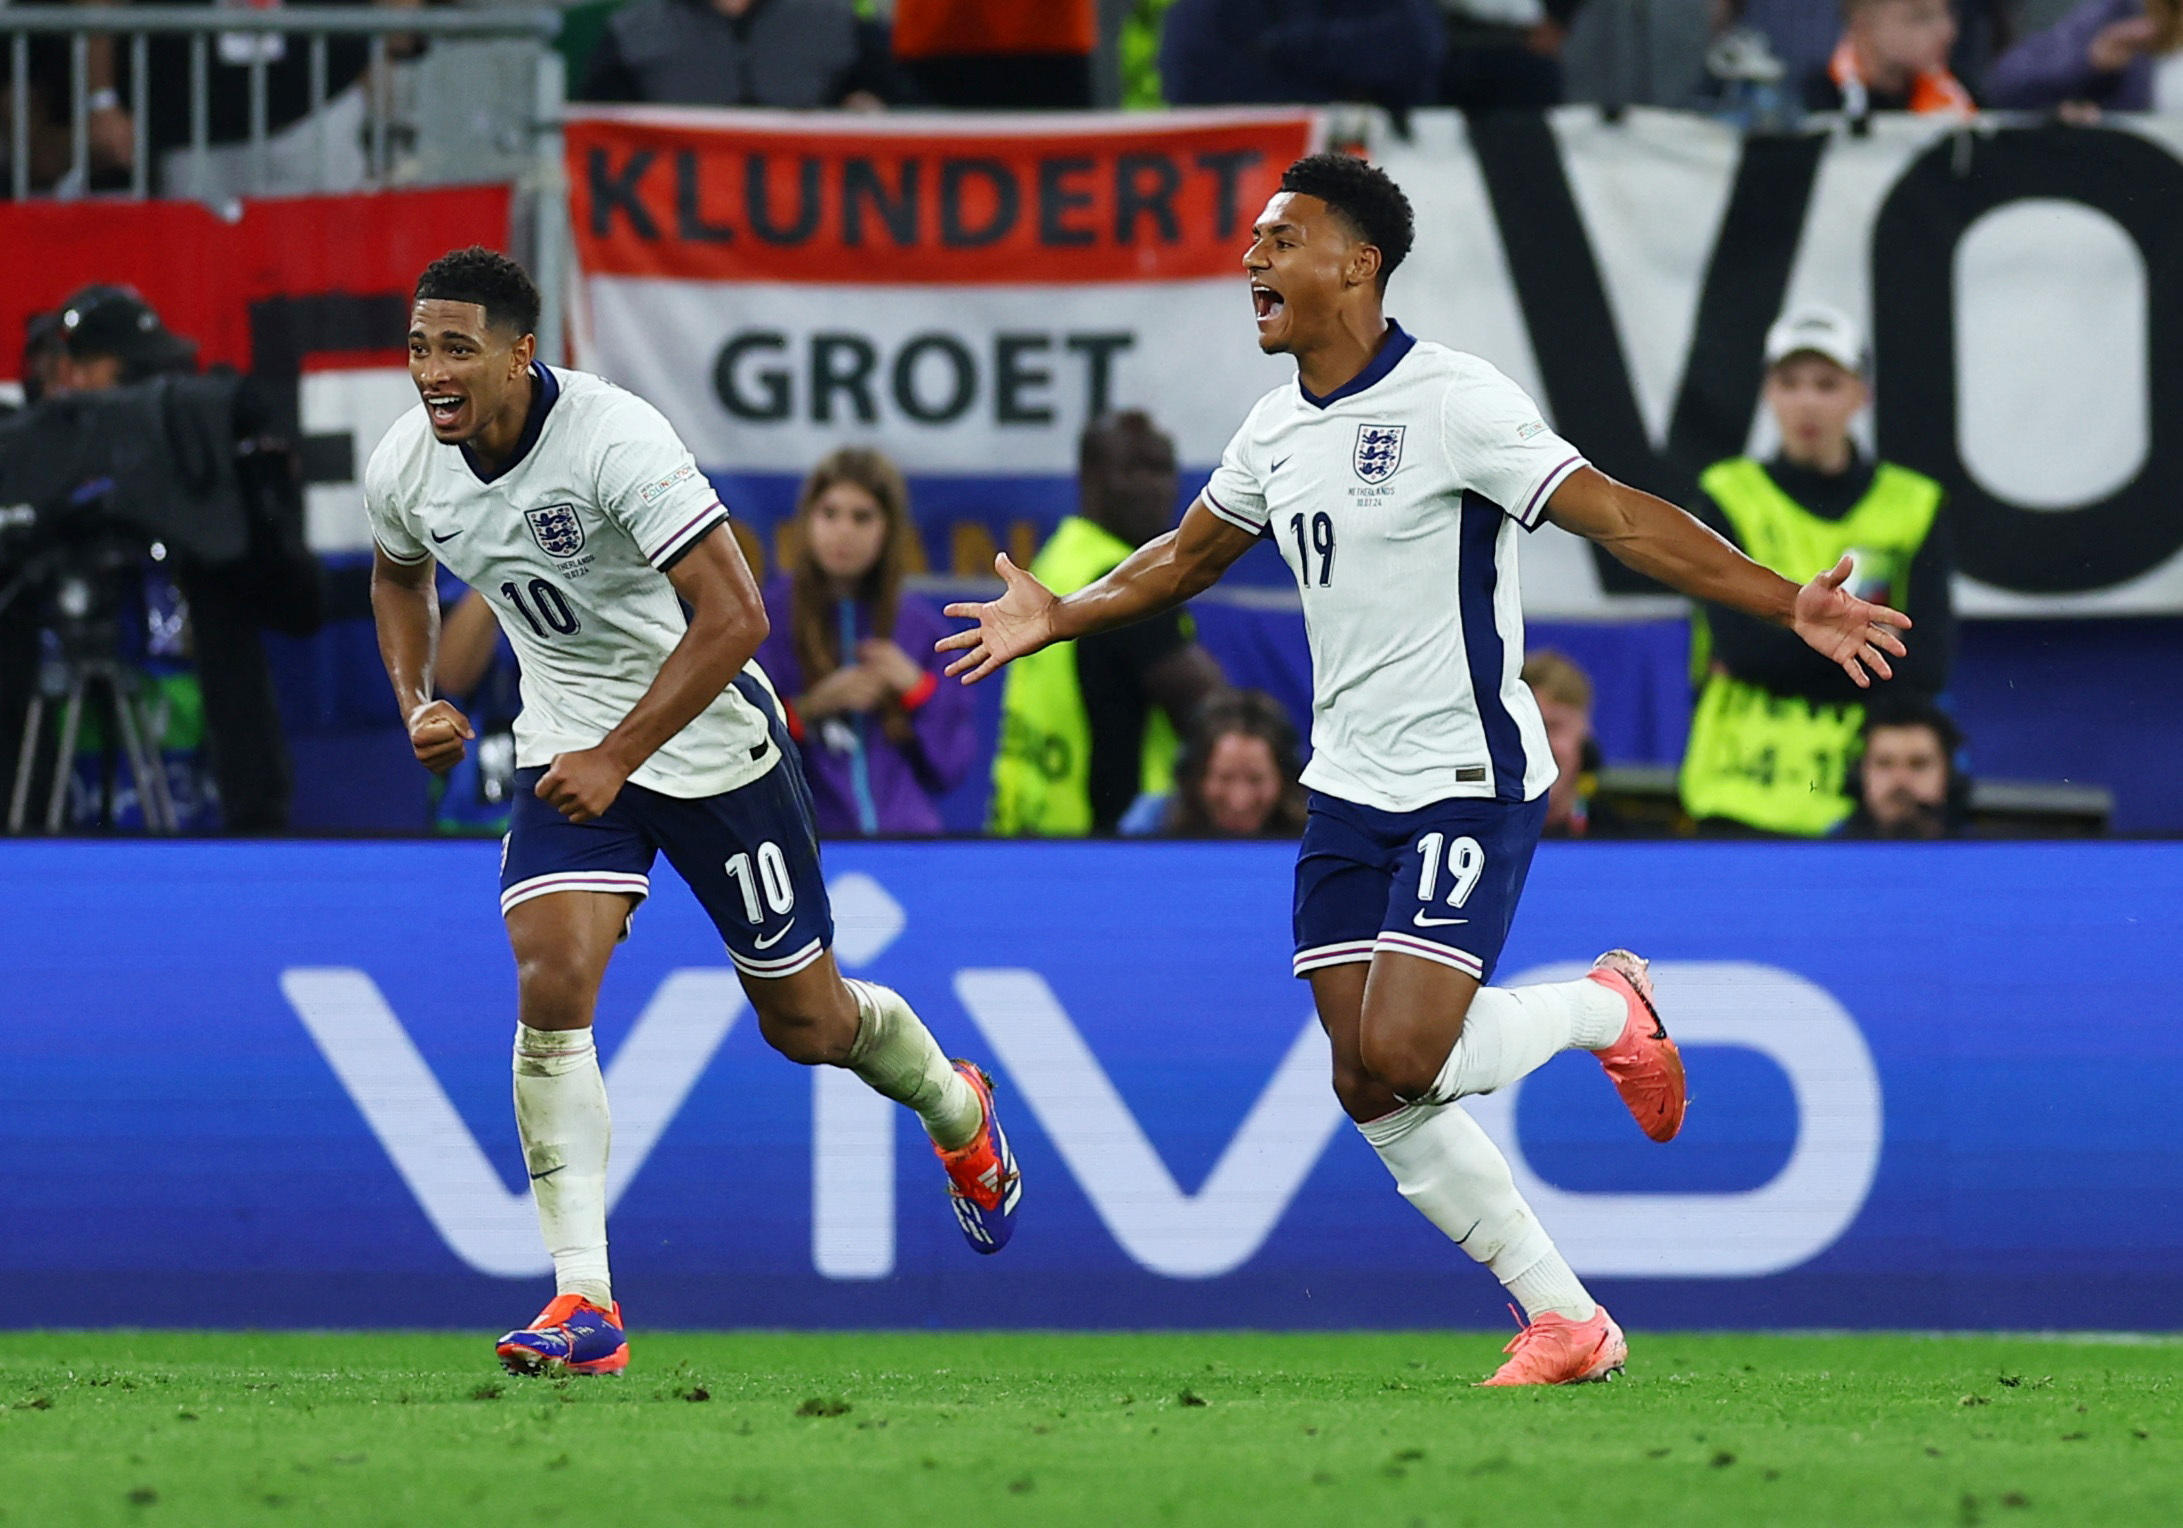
<point x="575" y="509"/>
<point x="1396" y="476"/>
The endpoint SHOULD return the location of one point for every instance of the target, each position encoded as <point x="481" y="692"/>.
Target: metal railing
<point x="129" y="29"/>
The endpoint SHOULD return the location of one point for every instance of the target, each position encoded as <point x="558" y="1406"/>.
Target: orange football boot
<point x="1553" y="1350"/>
<point x="1645" y="1066"/>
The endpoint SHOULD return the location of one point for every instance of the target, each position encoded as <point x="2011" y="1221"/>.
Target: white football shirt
<point x="1395" y="501"/>
<point x="569" y="542"/>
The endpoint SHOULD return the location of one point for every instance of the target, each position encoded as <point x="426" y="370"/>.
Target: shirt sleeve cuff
<point x="917" y="694"/>
<point x="1534" y="511"/>
<point x="1239" y="521"/>
<point x="687" y="535"/>
<point x="391" y="555"/>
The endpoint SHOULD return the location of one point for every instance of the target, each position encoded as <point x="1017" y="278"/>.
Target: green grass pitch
<point x="1230" y="1428"/>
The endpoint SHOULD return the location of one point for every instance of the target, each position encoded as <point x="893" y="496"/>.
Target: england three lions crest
<point x="557" y="530"/>
<point x="1379" y="451"/>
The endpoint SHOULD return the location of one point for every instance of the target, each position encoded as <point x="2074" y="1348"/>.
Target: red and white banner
<point x="311" y="294"/>
<point x="966" y="292"/>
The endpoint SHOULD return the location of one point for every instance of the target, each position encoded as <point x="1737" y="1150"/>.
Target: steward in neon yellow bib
<point x="1086" y="727"/>
<point x="1776" y="726"/>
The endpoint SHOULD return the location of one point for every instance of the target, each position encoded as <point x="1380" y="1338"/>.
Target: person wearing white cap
<point x="1774" y="733"/>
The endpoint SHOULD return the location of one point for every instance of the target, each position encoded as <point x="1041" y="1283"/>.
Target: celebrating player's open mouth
<point x="446" y="412"/>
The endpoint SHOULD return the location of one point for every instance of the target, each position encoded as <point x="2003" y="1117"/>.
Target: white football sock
<point x="1551" y="1285"/>
<point x="560" y="1112"/>
<point x="898" y="1057"/>
<point x="1510" y="1032"/>
<point x="1450" y="1169"/>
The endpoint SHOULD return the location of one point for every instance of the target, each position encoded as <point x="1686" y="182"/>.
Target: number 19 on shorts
<point x="1465" y="862"/>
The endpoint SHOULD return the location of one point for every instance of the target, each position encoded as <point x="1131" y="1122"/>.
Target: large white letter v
<point x="488" y="1227"/>
<point x="1185" y="1236"/>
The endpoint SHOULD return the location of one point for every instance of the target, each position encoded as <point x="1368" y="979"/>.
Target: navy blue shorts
<point x="751" y="855"/>
<point x="1440" y="883"/>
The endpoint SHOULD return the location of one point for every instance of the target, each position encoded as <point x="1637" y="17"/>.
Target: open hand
<point x="1839" y="626"/>
<point x="582" y="785"/>
<point x="1021" y="621"/>
<point x="436" y="734"/>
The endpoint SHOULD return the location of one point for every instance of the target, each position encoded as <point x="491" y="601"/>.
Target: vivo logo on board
<point x="1769" y="1229"/>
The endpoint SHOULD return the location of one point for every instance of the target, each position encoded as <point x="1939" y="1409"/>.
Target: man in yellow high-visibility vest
<point x="1776" y="727"/>
<point x="1088" y="726"/>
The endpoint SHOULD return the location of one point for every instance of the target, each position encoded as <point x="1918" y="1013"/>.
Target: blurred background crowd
<point x="152" y="677"/>
<point x="1919" y="55"/>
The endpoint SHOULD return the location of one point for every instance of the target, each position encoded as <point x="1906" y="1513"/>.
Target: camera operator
<point x="42" y="355"/>
<point x="108" y="337"/>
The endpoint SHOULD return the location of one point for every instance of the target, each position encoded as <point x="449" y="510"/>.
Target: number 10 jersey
<point x="570" y="541"/>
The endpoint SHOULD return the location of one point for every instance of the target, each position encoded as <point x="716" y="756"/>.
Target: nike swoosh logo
<point x="1424" y="922"/>
<point x="549" y="1172"/>
<point x="1277" y="466"/>
<point x="450" y="536"/>
<point x="773" y="939"/>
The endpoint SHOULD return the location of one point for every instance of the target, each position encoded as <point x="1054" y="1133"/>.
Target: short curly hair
<point x="488" y="278"/>
<point x="1365" y="197"/>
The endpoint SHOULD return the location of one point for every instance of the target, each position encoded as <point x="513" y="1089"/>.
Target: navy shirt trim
<point x="543" y="398"/>
<point x="1394" y="345"/>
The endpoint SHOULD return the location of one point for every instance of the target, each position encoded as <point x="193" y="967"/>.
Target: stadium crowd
<point x="1767" y="61"/>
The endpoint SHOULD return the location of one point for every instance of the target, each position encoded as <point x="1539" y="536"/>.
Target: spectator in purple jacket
<point x="882" y="737"/>
<point x="2119" y="55"/>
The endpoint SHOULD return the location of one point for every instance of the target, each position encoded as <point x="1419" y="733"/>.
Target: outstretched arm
<point x="1157" y="576"/>
<point x="1662" y="542"/>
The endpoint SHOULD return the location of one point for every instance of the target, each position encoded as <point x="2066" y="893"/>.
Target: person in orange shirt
<point x="999" y="54"/>
<point x="1893" y="56"/>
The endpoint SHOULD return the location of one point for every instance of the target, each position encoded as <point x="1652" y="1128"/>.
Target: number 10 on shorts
<point x="772" y="878"/>
<point x="1465" y="861"/>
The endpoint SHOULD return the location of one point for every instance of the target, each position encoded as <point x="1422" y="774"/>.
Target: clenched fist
<point x="436" y="735"/>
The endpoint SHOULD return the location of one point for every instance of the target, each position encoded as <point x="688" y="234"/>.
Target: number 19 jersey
<point x="1396" y="500"/>
<point x="570" y="542"/>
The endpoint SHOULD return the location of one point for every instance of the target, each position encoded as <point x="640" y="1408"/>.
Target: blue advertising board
<point x="267" y="1085"/>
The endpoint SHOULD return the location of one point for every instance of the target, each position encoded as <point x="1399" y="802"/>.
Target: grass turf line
<point x="141" y="1428"/>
